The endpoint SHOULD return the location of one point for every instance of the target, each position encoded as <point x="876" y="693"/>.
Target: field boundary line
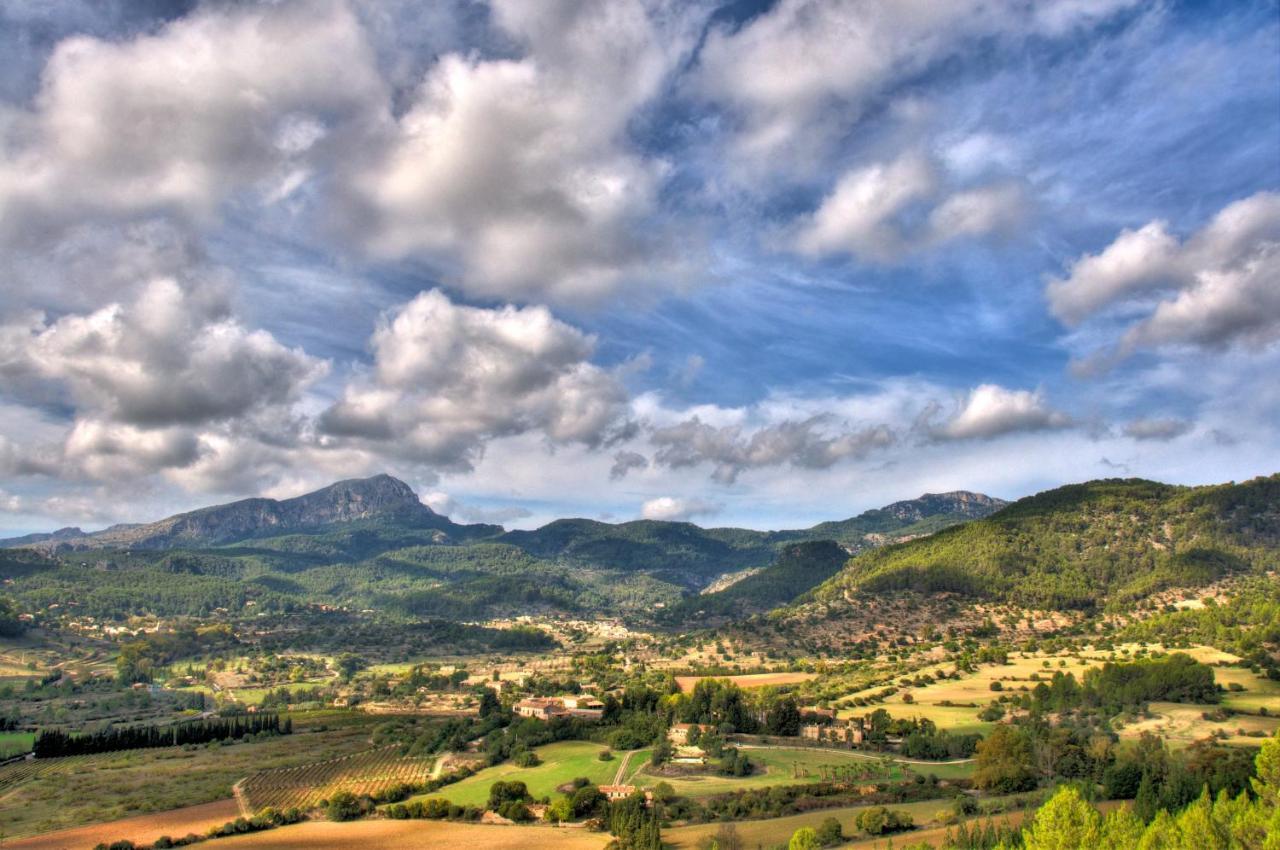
<point x="622" y="768"/>
<point x="855" y="754"/>
<point x="242" y="801"/>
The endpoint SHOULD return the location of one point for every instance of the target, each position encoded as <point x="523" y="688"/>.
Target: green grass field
<point x="15" y="743"/>
<point x="561" y="763"/>
<point x="1259" y="692"/>
<point x="565" y="761"/>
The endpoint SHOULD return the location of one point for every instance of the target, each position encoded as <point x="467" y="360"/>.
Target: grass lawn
<point x="15" y="743"/>
<point x="562" y="762"/>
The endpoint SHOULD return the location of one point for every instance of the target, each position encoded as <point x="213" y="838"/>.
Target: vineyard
<point x="304" y="786"/>
<point x="15" y="773"/>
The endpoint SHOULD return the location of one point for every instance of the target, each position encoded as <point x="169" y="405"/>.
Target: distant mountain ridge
<point x="378" y="498"/>
<point x="371" y="543"/>
<point x="389" y="500"/>
<point x="912" y="517"/>
<point x="68" y="533"/>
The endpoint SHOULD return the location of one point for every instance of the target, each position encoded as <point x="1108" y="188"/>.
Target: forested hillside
<point x="798" y="568"/>
<point x="1080" y="546"/>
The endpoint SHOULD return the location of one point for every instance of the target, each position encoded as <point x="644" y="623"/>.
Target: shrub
<point x="829" y="832"/>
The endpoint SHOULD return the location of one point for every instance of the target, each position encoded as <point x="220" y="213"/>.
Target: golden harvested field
<point x="140" y="830"/>
<point x="971" y="693"/>
<point x="748" y="680"/>
<point x="408" y="834"/>
<point x="1183" y="723"/>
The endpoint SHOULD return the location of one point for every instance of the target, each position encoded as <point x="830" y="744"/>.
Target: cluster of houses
<point x="584" y="706"/>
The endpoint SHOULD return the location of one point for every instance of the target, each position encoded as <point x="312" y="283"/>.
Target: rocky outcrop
<point x="378" y="498"/>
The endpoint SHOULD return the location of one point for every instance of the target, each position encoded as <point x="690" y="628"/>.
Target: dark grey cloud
<point x="1157" y="429"/>
<point x="626" y="461"/>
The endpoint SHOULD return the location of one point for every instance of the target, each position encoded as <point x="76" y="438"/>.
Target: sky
<point x="745" y="263"/>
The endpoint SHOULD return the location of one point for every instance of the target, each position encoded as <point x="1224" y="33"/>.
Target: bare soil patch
<point x="143" y="829"/>
<point x="396" y="834"/>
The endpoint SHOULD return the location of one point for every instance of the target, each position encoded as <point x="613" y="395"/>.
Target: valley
<point x="936" y="666"/>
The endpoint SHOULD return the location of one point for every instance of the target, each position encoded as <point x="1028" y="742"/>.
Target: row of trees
<point x="52" y="743"/>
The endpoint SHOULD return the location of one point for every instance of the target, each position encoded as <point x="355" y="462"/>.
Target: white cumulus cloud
<point x="448" y="377"/>
<point x="1214" y="289"/>
<point x="675" y="509"/>
<point x="991" y="410"/>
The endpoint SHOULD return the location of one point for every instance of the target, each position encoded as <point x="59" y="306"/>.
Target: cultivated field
<point x="306" y="785"/>
<point x="140" y="830"/>
<point x="971" y="693"/>
<point x="561" y="763"/>
<point x="748" y="680"/>
<point x="399" y="834"/>
<point x="49" y="794"/>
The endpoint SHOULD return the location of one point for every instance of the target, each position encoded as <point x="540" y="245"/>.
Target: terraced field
<point x="306" y="785"/>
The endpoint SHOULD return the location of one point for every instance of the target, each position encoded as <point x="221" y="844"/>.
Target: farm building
<point x="678" y="734"/>
<point x="584" y="706"/>
<point x="844" y="733"/>
<point x="613" y="793"/>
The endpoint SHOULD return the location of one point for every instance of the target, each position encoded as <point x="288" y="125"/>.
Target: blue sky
<point x="755" y="263"/>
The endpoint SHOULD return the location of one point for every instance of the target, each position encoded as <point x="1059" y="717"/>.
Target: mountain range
<point x="385" y="500"/>
<point x="371" y="544"/>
